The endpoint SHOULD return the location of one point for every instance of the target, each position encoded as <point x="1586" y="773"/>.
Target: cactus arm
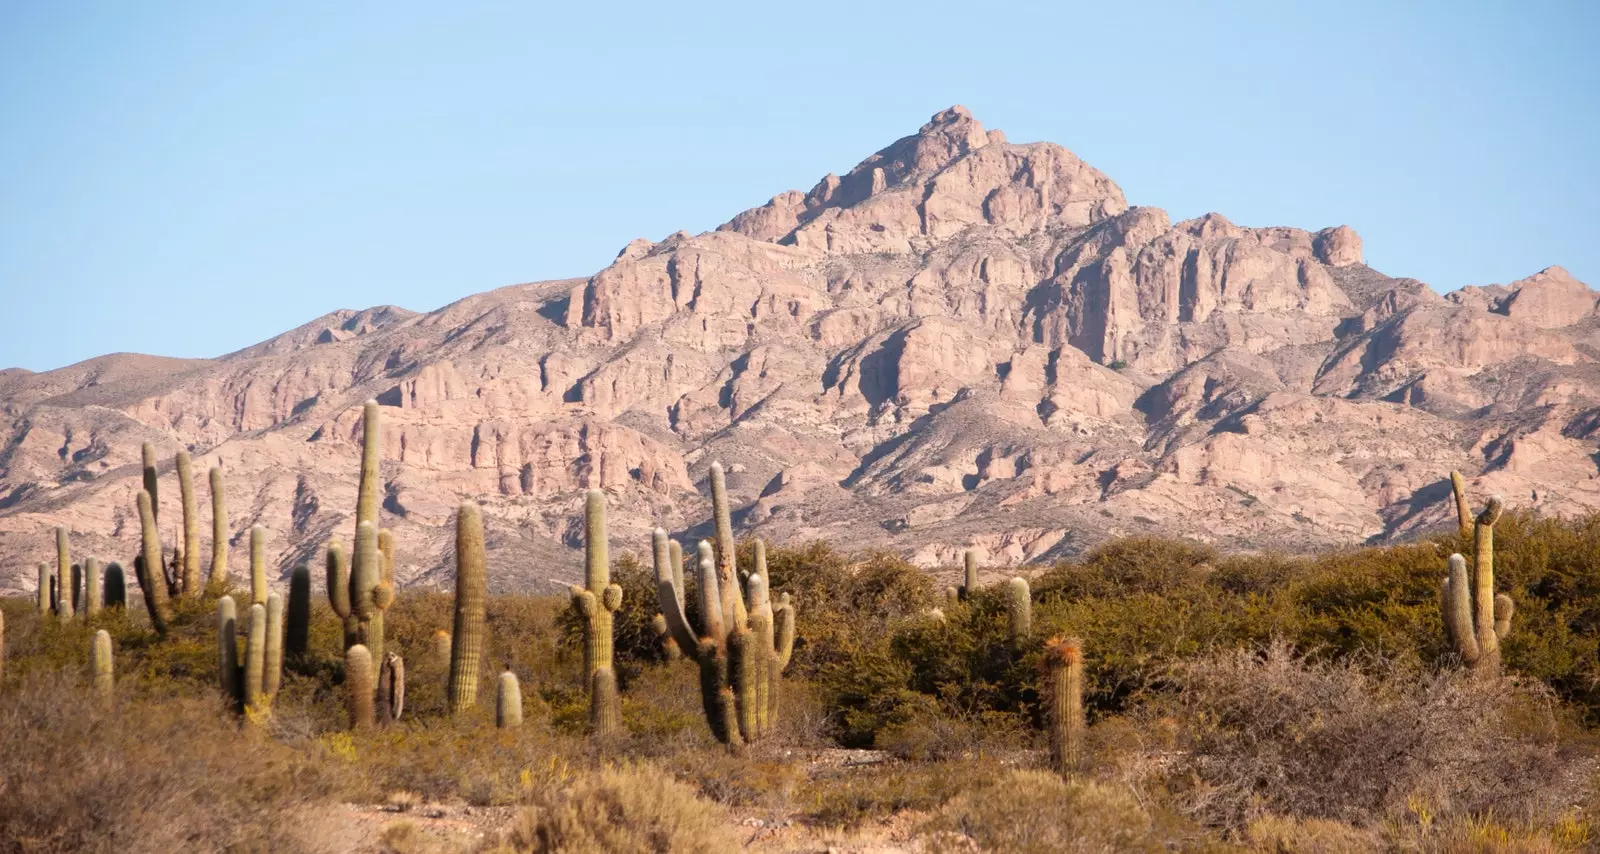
<point x="64" y="574"/>
<point x="255" y="659"/>
<point x="218" y="580"/>
<point x="1458" y="485"/>
<point x="669" y="593"/>
<point x="147" y="454"/>
<point x="783" y="632"/>
<point x="338" y="581"/>
<point x="1503" y="609"/>
<point x="1458" y="611"/>
<point x="733" y="611"/>
<point x="710" y="597"/>
<point x="675" y="555"/>
<point x="258" y="565"/>
<point x="272" y="674"/>
<point x="155" y="592"/>
<point x="191" y="527"/>
<point x="1483" y="577"/>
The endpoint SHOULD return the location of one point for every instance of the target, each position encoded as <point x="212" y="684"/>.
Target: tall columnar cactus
<point x="297" y="629"/>
<point x="370" y="593"/>
<point x="358" y="686"/>
<point x="55" y="594"/>
<point x="740" y="660"/>
<point x="93" y="596"/>
<point x="1476" y="620"/>
<point x="149" y="566"/>
<point x="598" y="601"/>
<point x="116" y="586"/>
<point x="76" y="591"/>
<point x="228" y="675"/>
<point x="969" y="584"/>
<point x="272" y="674"/>
<point x="45" y="580"/>
<point x="466" y="648"/>
<point x="391" y="689"/>
<point x="1063" y="689"/>
<point x="255" y="660"/>
<point x="147" y="452"/>
<point x="733" y="611"/>
<point x="1458" y="486"/>
<point x="258" y="565"/>
<point x="508" y="702"/>
<point x="217" y="581"/>
<point x="105" y="680"/>
<point x="364" y="561"/>
<point x="371" y="488"/>
<point x="1019" y="608"/>
<point x="339" y="592"/>
<point x="64" y="575"/>
<point x="190" y="577"/>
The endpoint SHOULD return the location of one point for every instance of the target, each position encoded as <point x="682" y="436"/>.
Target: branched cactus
<point x="1458" y="486"/>
<point x="969" y="585"/>
<point x="218" y="580"/>
<point x="508" y="701"/>
<point x="116" y="586"/>
<point x="1063" y="689"/>
<point x="190" y="579"/>
<point x="466" y="651"/>
<point x="93" y="595"/>
<point x="228" y="676"/>
<point x="272" y="675"/>
<point x="391" y="689"/>
<point x="258" y="565"/>
<point x="1476" y="620"/>
<point x="358" y="687"/>
<point x="105" y="680"/>
<point x="149" y="566"/>
<point x="255" y="661"/>
<point x="1019" y="608"/>
<point x="339" y="592"/>
<point x="147" y="452"/>
<point x="297" y="621"/>
<point x="64" y="575"/>
<point x="598" y="601"/>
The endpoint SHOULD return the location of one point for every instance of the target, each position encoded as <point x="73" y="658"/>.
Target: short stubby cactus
<point x="147" y="453"/>
<point x="149" y="566"/>
<point x="598" y="601"/>
<point x="116" y="595"/>
<point x="441" y="648"/>
<point x="228" y="676"/>
<point x="508" y="702"/>
<point x="45" y="580"/>
<point x="217" y="581"/>
<point x="93" y="595"/>
<point x="1019" y="608"/>
<point x="105" y="680"/>
<point x="189" y="578"/>
<point x="358" y="687"/>
<point x="969" y="584"/>
<point x="297" y="621"/>
<point x="1476" y="620"/>
<point x="1063" y="690"/>
<point x="258" y="565"/>
<point x="466" y="648"/>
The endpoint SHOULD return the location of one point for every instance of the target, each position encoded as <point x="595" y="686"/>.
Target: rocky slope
<point x="961" y="341"/>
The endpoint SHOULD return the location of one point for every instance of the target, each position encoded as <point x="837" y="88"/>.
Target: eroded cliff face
<point x="960" y="342"/>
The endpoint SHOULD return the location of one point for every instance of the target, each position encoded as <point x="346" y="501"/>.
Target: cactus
<point x="733" y="612"/>
<point x="76" y="589"/>
<point x="93" y="596"/>
<point x="147" y="453"/>
<point x="605" y="709"/>
<point x="64" y="576"/>
<point x="1019" y="608"/>
<point x="190" y="578"/>
<point x="258" y="565"/>
<point x="297" y="622"/>
<point x="55" y="594"/>
<point x="272" y="676"/>
<point x="741" y="661"/>
<point x="2" y="647"/>
<point x="663" y="636"/>
<point x="1476" y="620"/>
<point x="391" y="689"/>
<point x="358" y="686"/>
<point x="45" y="582"/>
<point x="441" y="648"/>
<point x="1458" y="486"/>
<point x="228" y="648"/>
<point x="116" y="595"/>
<point x="969" y="584"/>
<point x="148" y="566"/>
<point x="952" y="597"/>
<point x="1063" y="662"/>
<point x="255" y="660"/>
<point x="339" y="592"/>
<point x="367" y="496"/>
<point x="598" y="601"/>
<point x="105" y="680"/>
<point x="217" y="581"/>
<point x="508" y="701"/>
<point x="471" y="589"/>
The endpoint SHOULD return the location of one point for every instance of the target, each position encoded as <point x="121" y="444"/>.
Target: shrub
<point x="626" y="810"/>
<point x="1036" y="812"/>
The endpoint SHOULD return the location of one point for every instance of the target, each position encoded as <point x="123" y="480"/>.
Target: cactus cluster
<point x="508" y="701"/>
<point x="598" y="601"/>
<point x="253" y="683"/>
<point x="742" y="652"/>
<point x="1476" y="619"/>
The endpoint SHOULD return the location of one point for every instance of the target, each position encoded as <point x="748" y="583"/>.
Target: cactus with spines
<point x="468" y="636"/>
<point x="147" y="453"/>
<point x="105" y="680"/>
<point x="148" y="566"/>
<point x="1063" y="689"/>
<point x="1019" y="609"/>
<point x="369" y="595"/>
<point x="741" y="660"/>
<point x="508" y="701"/>
<point x="952" y="597"/>
<point x="272" y="675"/>
<point x="76" y="591"/>
<point x="663" y="636"/>
<point x="116" y="595"/>
<point x="217" y="581"/>
<point x="358" y="687"/>
<point x="93" y="596"/>
<point x="339" y="592"/>
<point x="1458" y="487"/>
<point x="441" y="648"/>
<point x="1476" y="619"/>
<point x="255" y="660"/>
<point x="605" y="707"/>
<point x="733" y="611"/>
<point x="598" y="601"/>
<point x="55" y="594"/>
<point x="969" y="584"/>
<point x="297" y="620"/>
<point x="371" y="485"/>
<point x="228" y="675"/>
<point x="258" y="565"/>
<point x="391" y="689"/>
<point x="64" y="575"/>
<point x="190" y="577"/>
<point x="45" y="582"/>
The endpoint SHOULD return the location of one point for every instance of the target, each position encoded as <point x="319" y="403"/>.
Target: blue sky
<point x="189" y="178"/>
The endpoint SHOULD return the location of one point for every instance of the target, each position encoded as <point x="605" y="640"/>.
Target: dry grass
<point x="633" y="809"/>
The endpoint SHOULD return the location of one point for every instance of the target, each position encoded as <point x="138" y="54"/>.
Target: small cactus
<point x="358" y="687"/>
<point x="190" y="577"/>
<point x="471" y="590"/>
<point x="46" y="580"/>
<point x="297" y="627"/>
<point x="598" y="602"/>
<point x="272" y="675"/>
<point x="1019" y="608"/>
<point x="508" y="702"/>
<point x="255" y="660"/>
<point x="441" y="648"/>
<point x="391" y="689"/>
<point x="116" y="595"/>
<point x="1476" y="620"/>
<point x="93" y="594"/>
<point x="969" y="585"/>
<point x="952" y="597"/>
<point x="1063" y="661"/>
<point x="105" y="680"/>
<point x="258" y="565"/>
<point x="228" y="648"/>
<point x="217" y="581"/>
<point x="149" y="567"/>
<point x="64" y="576"/>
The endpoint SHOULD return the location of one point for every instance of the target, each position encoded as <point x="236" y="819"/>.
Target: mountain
<point x="960" y="342"/>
